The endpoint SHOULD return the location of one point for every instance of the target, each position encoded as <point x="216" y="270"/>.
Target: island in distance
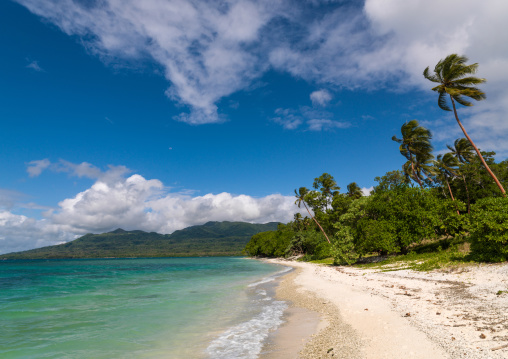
<point x="209" y="239"/>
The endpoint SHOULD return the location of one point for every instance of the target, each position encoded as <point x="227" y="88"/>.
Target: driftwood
<point x="501" y="347"/>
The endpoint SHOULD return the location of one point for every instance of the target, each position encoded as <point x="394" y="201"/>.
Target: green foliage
<point x="270" y="243"/>
<point x="454" y="79"/>
<point x="415" y="146"/>
<point x="391" y="180"/>
<point x="445" y="253"/>
<point x="304" y="243"/>
<point x="212" y="238"/>
<point x="489" y="230"/>
<point x="475" y="183"/>
<point x="343" y="250"/>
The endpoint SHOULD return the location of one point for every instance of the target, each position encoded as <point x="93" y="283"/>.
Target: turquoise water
<point x="136" y="308"/>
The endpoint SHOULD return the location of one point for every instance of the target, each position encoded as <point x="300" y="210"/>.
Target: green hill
<point x="210" y="239"/>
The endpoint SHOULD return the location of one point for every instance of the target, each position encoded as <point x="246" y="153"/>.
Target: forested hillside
<point x="211" y="239"/>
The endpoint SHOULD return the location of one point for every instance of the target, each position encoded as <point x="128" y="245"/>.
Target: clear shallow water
<point x="137" y="308"/>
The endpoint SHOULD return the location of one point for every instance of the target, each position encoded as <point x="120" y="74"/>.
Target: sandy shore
<point x="357" y="313"/>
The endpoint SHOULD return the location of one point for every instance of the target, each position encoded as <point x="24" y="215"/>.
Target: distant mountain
<point x="209" y="239"/>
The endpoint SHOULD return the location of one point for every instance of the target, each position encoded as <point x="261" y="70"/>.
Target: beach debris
<point x="483" y="336"/>
<point x="500" y="347"/>
<point x="366" y="309"/>
<point x="407" y="315"/>
<point x="329" y="350"/>
<point x="453" y="338"/>
<point x="438" y="313"/>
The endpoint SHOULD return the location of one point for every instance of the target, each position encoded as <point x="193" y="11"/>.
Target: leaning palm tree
<point x="446" y="167"/>
<point x="462" y="150"/>
<point x="455" y="80"/>
<point x="416" y="147"/>
<point x="300" y="198"/>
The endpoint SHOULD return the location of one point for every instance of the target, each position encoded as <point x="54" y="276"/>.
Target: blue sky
<point x="157" y="115"/>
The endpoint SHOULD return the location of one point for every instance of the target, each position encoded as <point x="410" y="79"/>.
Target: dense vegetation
<point x="454" y="202"/>
<point x="210" y="239"/>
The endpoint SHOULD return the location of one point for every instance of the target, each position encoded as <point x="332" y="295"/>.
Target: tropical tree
<point x="300" y="198"/>
<point x="462" y="150"/>
<point x="391" y="180"/>
<point x="329" y="189"/>
<point x="446" y="166"/>
<point x="354" y="191"/>
<point x="455" y="80"/>
<point x="416" y="147"/>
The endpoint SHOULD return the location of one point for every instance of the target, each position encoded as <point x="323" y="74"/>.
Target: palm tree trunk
<point x="321" y="228"/>
<point x="451" y="195"/>
<point x="467" y="192"/>
<point x="477" y="150"/>
<point x="414" y="174"/>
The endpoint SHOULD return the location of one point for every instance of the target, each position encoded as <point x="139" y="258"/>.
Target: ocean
<point x="211" y="307"/>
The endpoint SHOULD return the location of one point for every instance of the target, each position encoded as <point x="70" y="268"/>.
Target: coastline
<point x="366" y="313"/>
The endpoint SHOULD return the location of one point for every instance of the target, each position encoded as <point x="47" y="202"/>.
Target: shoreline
<point x="366" y="313"/>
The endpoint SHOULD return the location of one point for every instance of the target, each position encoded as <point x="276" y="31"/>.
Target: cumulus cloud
<point x="35" y="168"/>
<point x="139" y="203"/>
<point x="19" y="233"/>
<point x="134" y="202"/>
<point x="320" y="97"/>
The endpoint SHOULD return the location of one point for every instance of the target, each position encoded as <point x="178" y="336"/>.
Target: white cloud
<point x="315" y="120"/>
<point x="473" y="30"/>
<point x="134" y="202"/>
<point x="35" y="168"/>
<point x="84" y="169"/>
<point x="209" y="50"/>
<point x="19" y="233"/>
<point x="8" y="198"/>
<point x="320" y="97"/>
<point x="202" y="46"/>
<point x="324" y="124"/>
<point x="34" y="65"/>
<point x="367" y="191"/>
<point x="287" y="118"/>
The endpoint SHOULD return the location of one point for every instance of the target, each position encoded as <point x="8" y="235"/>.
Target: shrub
<point x="306" y="242"/>
<point x="489" y="230"/>
<point x="343" y="249"/>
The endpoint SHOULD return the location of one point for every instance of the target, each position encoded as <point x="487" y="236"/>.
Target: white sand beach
<point x="363" y="313"/>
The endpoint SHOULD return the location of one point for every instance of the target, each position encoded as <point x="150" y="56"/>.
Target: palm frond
<point x="470" y="80"/>
<point x="442" y="101"/>
<point x="460" y="99"/>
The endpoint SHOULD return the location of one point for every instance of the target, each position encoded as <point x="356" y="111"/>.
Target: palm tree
<point x="300" y="198"/>
<point x="462" y="150"/>
<point x="416" y="147"/>
<point x="354" y="191"/>
<point x="454" y="79"/>
<point x="446" y="167"/>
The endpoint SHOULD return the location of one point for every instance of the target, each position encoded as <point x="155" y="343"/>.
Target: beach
<point x="344" y="312"/>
